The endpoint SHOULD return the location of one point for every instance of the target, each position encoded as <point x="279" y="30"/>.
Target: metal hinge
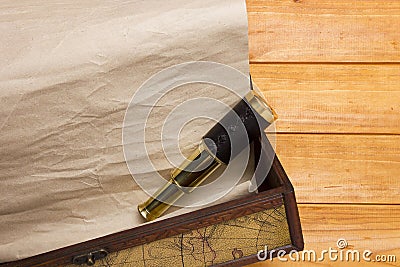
<point x="90" y="258"/>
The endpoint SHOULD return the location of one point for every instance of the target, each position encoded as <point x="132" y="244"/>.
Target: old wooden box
<point x="228" y="234"/>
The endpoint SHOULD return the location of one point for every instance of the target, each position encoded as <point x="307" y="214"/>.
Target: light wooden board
<point x="362" y="226"/>
<point x="331" y="70"/>
<point x="313" y="77"/>
<point x="332" y="98"/>
<point x="336" y="112"/>
<point x="324" y="31"/>
<point x="331" y="168"/>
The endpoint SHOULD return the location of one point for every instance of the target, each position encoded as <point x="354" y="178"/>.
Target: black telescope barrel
<point x="236" y="130"/>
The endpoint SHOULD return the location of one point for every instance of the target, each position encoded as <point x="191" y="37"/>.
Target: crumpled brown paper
<point x="68" y="72"/>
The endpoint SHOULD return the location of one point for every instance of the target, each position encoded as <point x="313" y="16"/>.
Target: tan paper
<point x="68" y="72"/>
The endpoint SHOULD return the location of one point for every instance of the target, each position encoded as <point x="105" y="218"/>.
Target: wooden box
<point x="228" y="234"/>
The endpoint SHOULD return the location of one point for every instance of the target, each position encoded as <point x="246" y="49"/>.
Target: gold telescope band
<point x="261" y="106"/>
<point x="181" y="182"/>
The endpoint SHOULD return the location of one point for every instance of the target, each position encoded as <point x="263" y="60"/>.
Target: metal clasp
<point x="90" y="258"/>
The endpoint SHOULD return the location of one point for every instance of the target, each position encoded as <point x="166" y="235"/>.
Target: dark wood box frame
<point x="281" y="193"/>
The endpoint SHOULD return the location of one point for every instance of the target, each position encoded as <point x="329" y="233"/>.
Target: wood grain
<point x="331" y="168"/>
<point x="324" y="31"/>
<point x="362" y="226"/>
<point x="331" y="70"/>
<point x="333" y="112"/>
<point x="343" y="7"/>
<point x="313" y="77"/>
<point x="332" y="98"/>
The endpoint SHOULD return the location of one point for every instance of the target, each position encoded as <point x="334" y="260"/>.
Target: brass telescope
<point x="244" y="123"/>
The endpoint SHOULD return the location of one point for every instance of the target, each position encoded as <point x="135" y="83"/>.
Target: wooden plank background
<point x="331" y="69"/>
